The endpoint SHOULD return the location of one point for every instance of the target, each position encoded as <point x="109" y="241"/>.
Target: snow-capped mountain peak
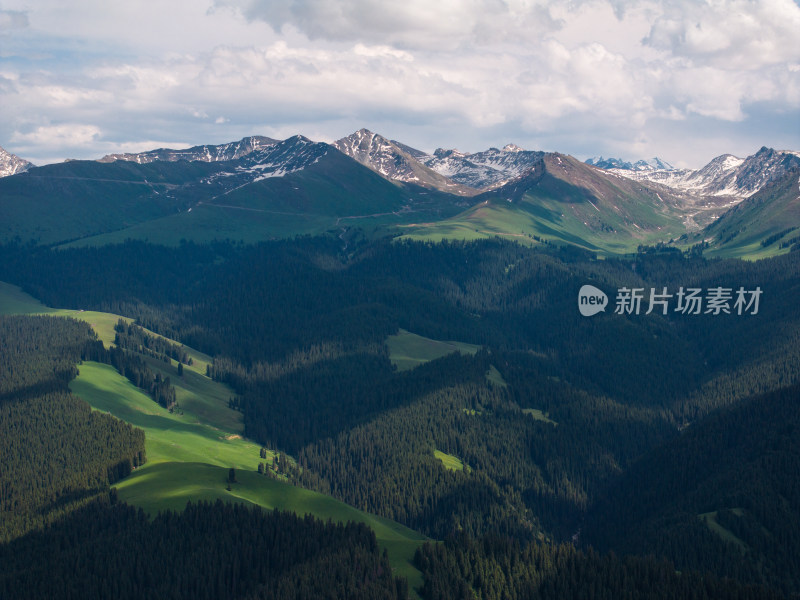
<point x="483" y="170"/>
<point x="652" y="164"/>
<point x="445" y="153"/>
<point x="724" y="176"/>
<point x="276" y="160"/>
<point x="512" y="148"/>
<point x="11" y="164"/>
<point x="394" y="161"/>
<point x="205" y="153"/>
<point x="376" y="152"/>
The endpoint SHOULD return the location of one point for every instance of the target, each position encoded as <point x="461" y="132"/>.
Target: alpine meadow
<point x="269" y="362"/>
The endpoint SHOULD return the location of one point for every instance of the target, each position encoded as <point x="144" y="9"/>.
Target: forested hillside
<point x="723" y="497"/>
<point x="214" y="552"/>
<point x="533" y="436"/>
<point x="56" y="453"/>
<point x="495" y="567"/>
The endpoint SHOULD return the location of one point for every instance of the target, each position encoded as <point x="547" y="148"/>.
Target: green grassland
<point x="178" y="436"/>
<point x="750" y="251"/>
<point x="449" y="461"/>
<point x="539" y="415"/>
<point x="190" y="450"/>
<point x="547" y="218"/>
<point x="408" y="350"/>
<point x="13" y="301"/>
<point x="189" y="454"/>
<point x="169" y="485"/>
<point x="710" y="520"/>
<point x="206" y="222"/>
<point x="495" y="377"/>
<point x="76" y="199"/>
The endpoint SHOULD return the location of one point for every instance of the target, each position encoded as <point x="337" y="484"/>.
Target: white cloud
<point x="12" y="19"/>
<point x="570" y="74"/>
<point x="729" y="34"/>
<point x="72" y="135"/>
<point x="411" y="24"/>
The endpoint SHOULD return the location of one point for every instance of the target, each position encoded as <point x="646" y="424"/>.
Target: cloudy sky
<point x="685" y="80"/>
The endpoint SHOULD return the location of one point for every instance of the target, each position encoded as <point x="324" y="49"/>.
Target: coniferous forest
<point x="633" y="455"/>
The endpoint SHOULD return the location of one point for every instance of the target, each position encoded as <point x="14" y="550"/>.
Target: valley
<point x="191" y="449"/>
<point x="278" y="325"/>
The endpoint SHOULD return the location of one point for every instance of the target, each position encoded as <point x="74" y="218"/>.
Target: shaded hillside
<point x="75" y="199"/>
<point x="724" y="496"/>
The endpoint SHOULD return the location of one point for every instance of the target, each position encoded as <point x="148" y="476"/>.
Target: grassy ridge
<point x="546" y="218"/>
<point x="566" y="202"/>
<point x="408" y="350"/>
<point x="174" y="436"/>
<point x="330" y="195"/>
<point x="453" y="463"/>
<point x="767" y="216"/>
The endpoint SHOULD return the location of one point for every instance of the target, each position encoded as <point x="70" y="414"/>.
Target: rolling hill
<point x="190" y="450"/>
<point x="563" y="200"/>
<point x="766" y="223"/>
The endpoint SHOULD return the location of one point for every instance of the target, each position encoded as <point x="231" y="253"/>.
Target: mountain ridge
<point x="206" y="152"/>
<point x="651" y="164"/>
<point x="309" y="187"/>
<point x="724" y="176"/>
<point x="395" y="161"/>
<point x="485" y="170"/>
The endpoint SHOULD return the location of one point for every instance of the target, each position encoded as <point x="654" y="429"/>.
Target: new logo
<point x="591" y="300"/>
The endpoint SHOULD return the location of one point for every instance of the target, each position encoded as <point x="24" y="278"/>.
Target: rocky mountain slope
<point x="484" y="170"/>
<point x="725" y="176"/>
<point x="396" y="162"/>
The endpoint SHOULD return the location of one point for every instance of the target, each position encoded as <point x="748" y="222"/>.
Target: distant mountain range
<point x="230" y="151"/>
<point x="653" y="164"/>
<point x="260" y="188"/>
<point x="726" y="175"/>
